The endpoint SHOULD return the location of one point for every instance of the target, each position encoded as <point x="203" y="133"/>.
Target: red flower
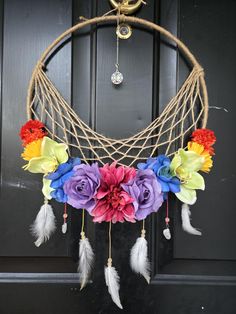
<point x="31" y="131"/>
<point x="113" y="203"/>
<point x="206" y="138"/>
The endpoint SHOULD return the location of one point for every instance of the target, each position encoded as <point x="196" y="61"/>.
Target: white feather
<point x="186" y="224"/>
<point x="139" y="258"/>
<point x="44" y="224"/>
<point x="112" y="281"/>
<point x="86" y="258"/>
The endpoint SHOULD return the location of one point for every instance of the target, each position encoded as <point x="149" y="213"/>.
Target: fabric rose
<point x="82" y="186"/>
<point x="146" y="193"/>
<point x="113" y="203"/>
<point x="59" y="177"/>
<point x="161" y="167"/>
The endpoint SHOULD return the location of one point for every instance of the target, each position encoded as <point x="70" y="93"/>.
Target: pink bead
<point x="167" y="219"/>
<point x="65" y="216"/>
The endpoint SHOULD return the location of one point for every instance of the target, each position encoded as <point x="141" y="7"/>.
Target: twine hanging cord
<point x="109" y="261"/>
<point x="45" y="101"/>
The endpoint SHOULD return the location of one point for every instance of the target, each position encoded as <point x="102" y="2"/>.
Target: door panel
<point x="215" y="50"/>
<point x="189" y="274"/>
<point x="26" y="34"/>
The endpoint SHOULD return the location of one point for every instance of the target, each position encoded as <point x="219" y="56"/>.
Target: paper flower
<point x="32" y="150"/>
<point x="200" y="150"/>
<point x="31" y="131"/>
<point x="146" y="193"/>
<point x="161" y="167"/>
<point x="113" y="203"/>
<point x="206" y="138"/>
<point x="59" y="177"/>
<point x="52" y="155"/>
<point x="185" y="165"/>
<point x="82" y="186"/>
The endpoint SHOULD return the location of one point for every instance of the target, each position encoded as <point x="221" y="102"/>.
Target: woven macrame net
<point x="184" y="113"/>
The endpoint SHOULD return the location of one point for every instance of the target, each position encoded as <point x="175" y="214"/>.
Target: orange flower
<point x="32" y="150"/>
<point x="200" y="150"/>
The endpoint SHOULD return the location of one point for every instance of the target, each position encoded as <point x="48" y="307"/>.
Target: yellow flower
<point x="51" y="155"/>
<point x="32" y="150"/>
<point x="199" y="149"/>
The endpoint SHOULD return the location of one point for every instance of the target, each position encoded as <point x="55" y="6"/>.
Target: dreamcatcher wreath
<point x="114" y="191"/>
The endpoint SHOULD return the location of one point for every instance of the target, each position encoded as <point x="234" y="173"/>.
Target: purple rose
<point x="146" y="192"/>
<point x="82" y="186"/>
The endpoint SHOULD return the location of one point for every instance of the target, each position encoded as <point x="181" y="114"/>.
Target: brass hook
<point x="125" y="7"/>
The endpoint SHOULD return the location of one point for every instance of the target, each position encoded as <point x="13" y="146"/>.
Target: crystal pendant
<point x="123" y="31"/>
<point x="117" y="77"/>
<point x="64" y="228"/>
<point x="166" y="233"/>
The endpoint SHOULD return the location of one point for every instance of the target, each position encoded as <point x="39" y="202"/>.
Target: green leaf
<point x="190" y="160"/>
<point x="196" y="181"/>
<point x="60" y="153"/>
<point x="46" y="188"/>
<point x="186" y="195"/>
<point x="51" y="148"/>
<point x="175" y="163"/>
<point x="41" y="164"/>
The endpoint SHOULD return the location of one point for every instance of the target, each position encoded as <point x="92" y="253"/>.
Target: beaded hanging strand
<point x="65" y="216"/>
<point x="166" y="231"/>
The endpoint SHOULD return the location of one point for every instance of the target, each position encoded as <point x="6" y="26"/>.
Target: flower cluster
<point x="115" y="192"/>
<point x="187" y="163"/>
<point x="109" y="193"/>
<point x="42" y="153"/>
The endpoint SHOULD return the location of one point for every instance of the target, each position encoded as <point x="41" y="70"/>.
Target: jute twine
<point x="186" y="111"/>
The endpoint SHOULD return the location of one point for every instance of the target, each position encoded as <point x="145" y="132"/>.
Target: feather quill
<point x="139" y="258"/>
<point x="44" y="224"/>
<point x="86" y="258"/>
<point x="112" y="281"/>
<point x="186" y="224"/>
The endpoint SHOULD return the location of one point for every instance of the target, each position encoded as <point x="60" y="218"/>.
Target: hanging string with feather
<point x="111" y="276"/>
<point x="166" y="231"/>
<point x="139" y="261"/>
<point x="86" y="256"/>
<point x="44" y="224"/>
<point x="65" y="216"/>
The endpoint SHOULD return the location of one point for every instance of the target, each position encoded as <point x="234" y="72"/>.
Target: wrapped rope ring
<point x="186" y="111"/>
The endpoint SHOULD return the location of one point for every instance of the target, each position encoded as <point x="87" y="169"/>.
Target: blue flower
<point x="161" y="167"/>
<point x="60" y="176"/>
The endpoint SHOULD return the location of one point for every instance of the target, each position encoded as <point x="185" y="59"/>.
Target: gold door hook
<point x="127" y="6"/>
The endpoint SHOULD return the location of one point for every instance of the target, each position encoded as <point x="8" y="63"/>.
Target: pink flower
<point x="113" y="203"/>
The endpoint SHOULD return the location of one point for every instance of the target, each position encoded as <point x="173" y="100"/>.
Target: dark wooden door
<point x="190" y="274"/>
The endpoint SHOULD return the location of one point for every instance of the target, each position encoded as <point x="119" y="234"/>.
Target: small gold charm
<point x="123" y="31"/>
<point x="127" y="6"/>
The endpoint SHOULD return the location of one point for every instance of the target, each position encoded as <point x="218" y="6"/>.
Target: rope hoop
<point x="186" y="111"/>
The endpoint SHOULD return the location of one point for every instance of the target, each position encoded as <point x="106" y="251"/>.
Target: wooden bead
<point x="167" y="219"/>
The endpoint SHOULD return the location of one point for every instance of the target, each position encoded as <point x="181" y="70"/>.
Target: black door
<point x="189" y="274"/>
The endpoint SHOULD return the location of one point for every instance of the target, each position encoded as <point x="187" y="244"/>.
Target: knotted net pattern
<point x="186" y="111"/>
